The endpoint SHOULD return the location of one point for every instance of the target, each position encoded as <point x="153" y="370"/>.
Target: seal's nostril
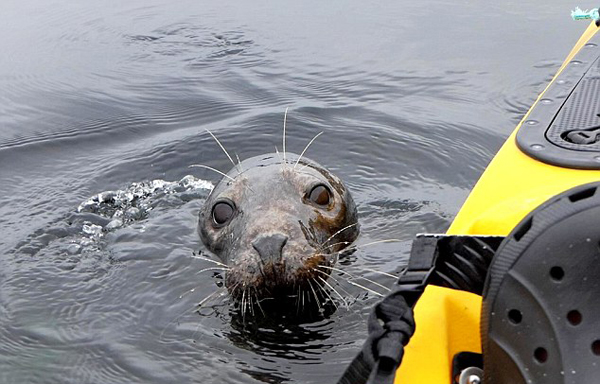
<point x="270" y="247"/>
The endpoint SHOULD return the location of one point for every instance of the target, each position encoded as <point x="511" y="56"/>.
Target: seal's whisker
<point x="199" y="307"/>
<point x="349" y="281"/>
<point x="258" y="303"/>
<point x="212" y="169"/>
<point x="376" y="283"/>
<point x="260" y="265"/>
<point x="244" y="305"/>
<point x="365" y="288"/>
<point x="196" y="331"/>
<point x="247" y="302"/>
<point x="212" y="269"/>
<point x="211" y="260"/>
<point x="320" y="287"/>
<point x="241" y="169"/>
<point x="338" y="232"/>
<point x="358" y="246"/>
<point x="337" y="270"/>
<point x="354" y="247"/>
<point x="302" y="299"/>
<point x="222" y="147"/>
<point x="378" y="272"/>
<point x="334" y="291"/>
<point x="314" y="293"/>
<point x="232" y="289"/>
<point x="334" y="279"/>
<point x="362" y="277"/>
<point x="334" y="255"/>
<point x="206" y="299"/>
<point x="189" y="311"/>
<point x="305" y="148"/>
<point x="298" y="301"/>
<point x="333" y="245"/>
<point x="278" y="154"/>
<point x="284" y="124"/>
<point x="184" y="294"/>
<point x="355" y="277"/>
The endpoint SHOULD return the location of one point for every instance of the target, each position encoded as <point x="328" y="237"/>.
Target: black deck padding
<point x="579" y="113"/>
<point x="540" y="320"/>
<point x="563" y="127"/>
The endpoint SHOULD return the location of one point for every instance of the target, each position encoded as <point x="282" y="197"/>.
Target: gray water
<point x="104" y="105"/>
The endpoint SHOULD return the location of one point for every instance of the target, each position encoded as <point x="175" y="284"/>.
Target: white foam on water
<point x="132" y="204"/>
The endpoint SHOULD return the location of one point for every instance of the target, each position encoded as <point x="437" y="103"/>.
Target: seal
<point x="279" y="225"/>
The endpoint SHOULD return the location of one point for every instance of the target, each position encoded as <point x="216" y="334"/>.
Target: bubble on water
<point x="73" y="249"/>
<point x="114" y="224"/>
<point x="134" y="202"/>
<point x="92" y="229"/>
<point x="85" y="230"/>
<point x="190" y="182"/>
<point x="116" y="209"/>
<point x="133" y="213"/>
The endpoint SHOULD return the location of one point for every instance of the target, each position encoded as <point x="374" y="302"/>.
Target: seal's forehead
<point x="278" y="175"/>
<point x="262" y="173"/>
<point x="293" y="166"/>
<point x="277" y="159"/>
<point x="265" y="160"/>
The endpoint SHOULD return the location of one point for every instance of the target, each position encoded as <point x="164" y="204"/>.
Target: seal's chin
<point x="284" y="280"/>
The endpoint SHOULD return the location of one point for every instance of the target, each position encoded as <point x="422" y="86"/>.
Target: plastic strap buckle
<point x="421" y="264"/>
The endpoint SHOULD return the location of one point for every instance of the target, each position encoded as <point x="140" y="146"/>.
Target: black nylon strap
<point x="435" y="259"/>
<point x="391" y="325"/>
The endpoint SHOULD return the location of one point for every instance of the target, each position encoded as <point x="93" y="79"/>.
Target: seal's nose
<point x="270" y="247"/>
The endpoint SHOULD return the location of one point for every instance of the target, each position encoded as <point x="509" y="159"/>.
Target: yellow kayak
<point x="552" y="150"/>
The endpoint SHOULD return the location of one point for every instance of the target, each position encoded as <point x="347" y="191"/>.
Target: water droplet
<point x="73" y="249"/>
<point x="114" y="224"/>
<point x="91" y="229"/>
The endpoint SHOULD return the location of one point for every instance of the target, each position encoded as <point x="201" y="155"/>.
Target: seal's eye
<point x="320" y="195"/>
<point x="222" y="212"/>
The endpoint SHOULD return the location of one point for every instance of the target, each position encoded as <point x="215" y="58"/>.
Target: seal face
<point x="277" y="224"/>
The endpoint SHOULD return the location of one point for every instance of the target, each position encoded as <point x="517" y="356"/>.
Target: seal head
<point x="277" y="224"/>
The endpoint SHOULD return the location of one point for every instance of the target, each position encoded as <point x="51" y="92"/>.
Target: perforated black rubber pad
<point x="568" y="109"/>
<point x="540" y="319"/>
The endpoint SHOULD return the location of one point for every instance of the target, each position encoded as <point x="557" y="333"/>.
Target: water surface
<point x="413" y="98"/>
